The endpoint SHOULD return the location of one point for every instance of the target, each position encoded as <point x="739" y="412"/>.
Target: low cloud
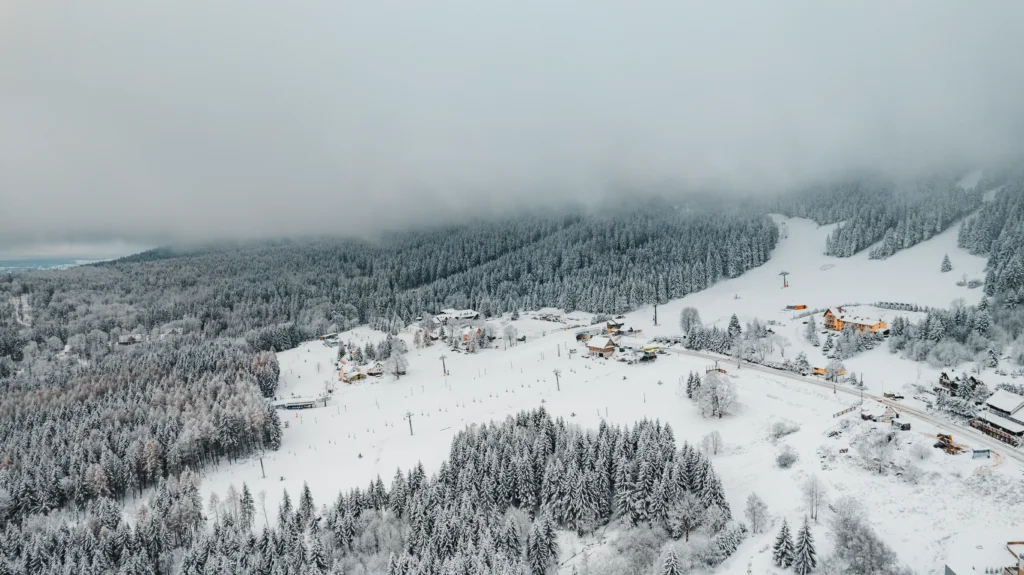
<point x="185" y="121"/>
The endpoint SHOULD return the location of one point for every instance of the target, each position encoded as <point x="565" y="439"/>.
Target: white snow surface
<point x="958" y="504"/>
<point x="1006" y="401"/>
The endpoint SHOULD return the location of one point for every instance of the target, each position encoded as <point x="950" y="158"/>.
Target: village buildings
<point x="455" y="315"/>
<point x="601" y="347"/>
<point x="837" y="319"/>
<point x="1004" y="411"/>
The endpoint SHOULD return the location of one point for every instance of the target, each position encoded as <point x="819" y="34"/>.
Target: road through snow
<point x="942" y="424"/>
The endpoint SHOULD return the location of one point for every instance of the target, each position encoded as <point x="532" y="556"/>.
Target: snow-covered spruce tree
<point x="542" y="546"/>
<point x="734" y="329"/>
<point x="670" y="564"/>
<point x="692" y="385"/>
<point x="811" y="332"/>
<point x="783" y="551"/>
<point x="946" y="265"/>
<point x="804" y="557"/>
<point x="801" y="365"/>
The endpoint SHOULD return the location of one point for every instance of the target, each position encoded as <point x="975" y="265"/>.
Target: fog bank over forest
<point x="189" y="121"/>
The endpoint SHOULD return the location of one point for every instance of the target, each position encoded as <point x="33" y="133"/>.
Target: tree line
<point x="493" y="507"/>
<point x="115" y="428"/>
<point x="277" y="293"/>
<point x="870" y="209"/>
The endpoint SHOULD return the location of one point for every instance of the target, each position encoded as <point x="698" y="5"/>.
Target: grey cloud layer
<point x="226" y="118"/>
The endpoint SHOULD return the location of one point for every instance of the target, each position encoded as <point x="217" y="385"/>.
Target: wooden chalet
<point x="613" y="325"/>
<point x="837" y="319"/>
<point x="601" y="347"/>
<point x="351" y="374"/>
<point x="953" y="385"/>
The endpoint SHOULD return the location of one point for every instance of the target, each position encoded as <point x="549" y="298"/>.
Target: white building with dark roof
<point x="1006" y="403"/>
<point x="1005" y="411"/>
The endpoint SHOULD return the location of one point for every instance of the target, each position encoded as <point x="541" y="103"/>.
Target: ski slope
<point x="959" y="503"/>
<point x="817" y="280"/>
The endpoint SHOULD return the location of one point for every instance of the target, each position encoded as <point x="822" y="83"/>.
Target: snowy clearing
<point x="956" y="503"/>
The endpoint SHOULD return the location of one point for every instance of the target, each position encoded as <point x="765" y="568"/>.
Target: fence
<point x="845" y="411"/>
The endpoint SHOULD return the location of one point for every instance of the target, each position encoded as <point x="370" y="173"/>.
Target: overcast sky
<point x="158" y="120"/>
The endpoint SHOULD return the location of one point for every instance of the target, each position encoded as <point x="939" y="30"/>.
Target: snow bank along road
<point x="942" y="424"/>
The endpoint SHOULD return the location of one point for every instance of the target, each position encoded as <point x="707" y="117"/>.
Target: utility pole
<point x="408" y="415"/>
<point x="557" y="373"/>
<point x="784" y="273"/>
<point x="655" y="313"/>
<point x="443" y="366"/>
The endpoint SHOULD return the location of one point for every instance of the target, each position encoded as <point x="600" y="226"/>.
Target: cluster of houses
<point x="1000" y="416"/>
<point x="605" y="346"/>
<point x="351" y="373"/>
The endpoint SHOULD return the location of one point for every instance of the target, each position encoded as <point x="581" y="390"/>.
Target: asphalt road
<point x="948" y="427"/>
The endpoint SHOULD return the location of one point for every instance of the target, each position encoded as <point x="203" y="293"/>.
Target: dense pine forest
<point x="493" y="507"/>
<point x="303" y="288"/>
<point x="128" y="422"/>
<point x="875" y="209"/>
<point x="87" y="423"/>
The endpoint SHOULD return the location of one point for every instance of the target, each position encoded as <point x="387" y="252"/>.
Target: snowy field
<point x="957" y="504"/>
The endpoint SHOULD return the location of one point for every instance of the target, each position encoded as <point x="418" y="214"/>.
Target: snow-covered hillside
<point x="817" y="280"/>
<point x="957" y="503"/>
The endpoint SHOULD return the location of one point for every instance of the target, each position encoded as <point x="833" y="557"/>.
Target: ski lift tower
<point x="784" y="273"/>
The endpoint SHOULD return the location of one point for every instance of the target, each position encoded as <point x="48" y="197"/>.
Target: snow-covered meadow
<point x="957" y="502"/>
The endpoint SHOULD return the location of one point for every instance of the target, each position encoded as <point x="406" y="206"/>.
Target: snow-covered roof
<point x="1006" y="401"/>
<point x="847" y="317"/>
<point x="974" y="556"/>
<point x="1008" y="425"/>
<point x="457" y="314"/>
<point x="601" y="343"/>
<point x="874" y="408"/>
<point x="293" y="401"/>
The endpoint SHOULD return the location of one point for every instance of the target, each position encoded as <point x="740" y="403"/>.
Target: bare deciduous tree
<point x="815" y="492"/>
<point x="756" y="513"/>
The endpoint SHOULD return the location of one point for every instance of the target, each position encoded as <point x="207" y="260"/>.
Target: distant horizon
<point x="85" y="251"/>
